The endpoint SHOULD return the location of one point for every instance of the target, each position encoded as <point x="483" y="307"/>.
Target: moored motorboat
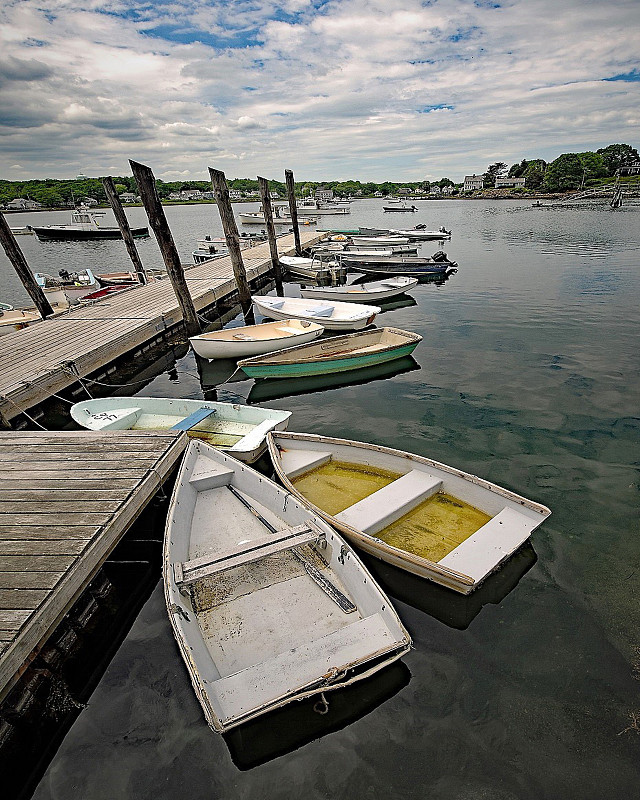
<point x="237" y="429"/>
<point x="15" y="319"/>
<point x="334" y="316"/>
<point x="85" y="224"/>
<point x="74" y="284"/>
<point x="337" y="354"/>
<point x="362" y="292"/>
<point x="423" y="235"/>
<point x="314" y="268"/>
<point x="267" y="603"/>
<point x="251" y="340"/>
<point x="430" y="519"/>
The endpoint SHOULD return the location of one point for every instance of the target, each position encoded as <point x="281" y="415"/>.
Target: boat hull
<point x="512" y="518"/>
<point x="437" y="268"/>
<point x="256" y="636"/>
<point x="296" y="364"/>
<point x="52" y="232"/>
<point x="361" y="293"/>
<point x="359" y="318"/>
<point x="234" y="428"/>
<point x="212" y="348"/>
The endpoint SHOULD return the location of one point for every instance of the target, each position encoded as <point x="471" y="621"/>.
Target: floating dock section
<point x="51" y="355"/>
<point x="66" y="499"/>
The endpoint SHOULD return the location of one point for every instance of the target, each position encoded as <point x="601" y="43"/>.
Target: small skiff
<point x="334" y="316"/>
<point x="252" y="340"/>
<point x="362" y="292"/>
<point x="237" y="429"/>
<point x="337" y="354"/>
<point x="313" y="268"/>
<point x="432" y="520"/>
<point x="267" y="602"/>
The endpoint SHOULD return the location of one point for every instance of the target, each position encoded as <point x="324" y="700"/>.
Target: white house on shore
<point x="472" y="182"/>
<point x="20" y="204"/>
<point x="128" y="197"/>
<point x="323" y="194"/>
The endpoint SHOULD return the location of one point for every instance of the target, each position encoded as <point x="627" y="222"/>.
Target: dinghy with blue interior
<point x="237" y="429"/>
<point x="267" y="602"/>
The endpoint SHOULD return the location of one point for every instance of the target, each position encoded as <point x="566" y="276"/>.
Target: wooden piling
<point x="123" y="224"/>
<point x="293" y="209"/>
<point x="263" y="184"/>
<point x="221" y="192"/>
<point x="158" y="221"/>
<point x="16" y="257"/>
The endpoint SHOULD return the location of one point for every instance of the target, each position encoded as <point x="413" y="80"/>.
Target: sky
<point x="332" y="89"/>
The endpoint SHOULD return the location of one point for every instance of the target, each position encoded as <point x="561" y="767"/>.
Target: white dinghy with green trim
<point x="267" y="602"/>
<point x="237" y="429"/>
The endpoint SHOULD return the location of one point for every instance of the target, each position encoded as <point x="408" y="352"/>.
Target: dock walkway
<point x="49" y="356"/>
<point x="65" y="501"/>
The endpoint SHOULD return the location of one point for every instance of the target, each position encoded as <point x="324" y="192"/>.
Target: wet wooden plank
<point x="39" y="547"/>
<point x="29" y="580"/>
<point x="48" y="532"/>
<point x="22" y="598"/>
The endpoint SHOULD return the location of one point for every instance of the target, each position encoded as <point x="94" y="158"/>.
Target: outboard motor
<point x="64" y="274"/>
<point x="440" y="255"/>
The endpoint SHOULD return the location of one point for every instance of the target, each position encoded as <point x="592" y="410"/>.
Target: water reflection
<point x="275" y="388"/>
<point x="296" y="724"/>
<point x="453" y="609"/>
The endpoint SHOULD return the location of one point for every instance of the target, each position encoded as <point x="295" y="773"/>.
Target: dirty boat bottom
<point x="216" y="432"/>
<point x="431" y="530"/>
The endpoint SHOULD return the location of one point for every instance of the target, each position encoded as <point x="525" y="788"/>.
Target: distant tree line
<point x="568" y="171"/>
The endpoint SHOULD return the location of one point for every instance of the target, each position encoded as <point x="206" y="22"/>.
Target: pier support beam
<point x="16" y="257"/>
<point x="293" y="208"/>
<point x="221" y="192"/>
<point x="158" y="221"/>
<point x="123" y="224"/>
<point x="263" y="184"/>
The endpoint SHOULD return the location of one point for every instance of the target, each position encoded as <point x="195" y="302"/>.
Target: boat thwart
<point x="334" y="316"/>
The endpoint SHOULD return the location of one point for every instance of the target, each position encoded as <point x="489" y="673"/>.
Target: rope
<point x="22" y="411"/>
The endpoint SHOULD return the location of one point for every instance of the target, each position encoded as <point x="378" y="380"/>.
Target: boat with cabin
<point x="234" y="428"/>
<point x="250" y="340"/>
<point x="425" y="517"/>
<point x="85" y="225"/>
<point x="336" y="354"/>
<point x="267" y="602"/>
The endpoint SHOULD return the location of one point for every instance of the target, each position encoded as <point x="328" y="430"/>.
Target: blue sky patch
<point x="438" y="107"/>
<point x="234" y="39"/>
<point x="630" y="77"/>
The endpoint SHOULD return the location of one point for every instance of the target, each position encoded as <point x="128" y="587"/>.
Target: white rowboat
<point x="334" y="316"/>
<point x="251" y="340"/>
<point x="362" y="292"/>
<point x="430" y="519"/>
<point x="267" y="602"/>
<point x="237" y="429"/>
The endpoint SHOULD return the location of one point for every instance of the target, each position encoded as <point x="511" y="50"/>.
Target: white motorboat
<point x="267" y="603"/>
<point x="333" y="316"/>
<point x="362" y="292"/>
<point x="422" y="516"/>
<point x="237" y="429"/>
<point x="15" y="319"/>
<point x="314" y="268"/>
<point x="74" y="284"/>
<point x="250" y="340"/>
<point x="420" y="235"/>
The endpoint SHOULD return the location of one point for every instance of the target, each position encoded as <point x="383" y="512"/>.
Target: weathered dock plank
<point x="46" y="358"/>
<point x="52" y="544"/>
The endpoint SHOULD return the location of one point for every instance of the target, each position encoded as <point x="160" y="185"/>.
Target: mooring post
<point x="158" y="221"/>
<point x="293" y="208"/>
<point x="16" y="257"/>
<point x="121" y="218"/>
<point x="221" y="192"/>
<point x="263" y="183"/>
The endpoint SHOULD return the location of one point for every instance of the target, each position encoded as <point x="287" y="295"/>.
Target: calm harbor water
<point x="528" y="376"/>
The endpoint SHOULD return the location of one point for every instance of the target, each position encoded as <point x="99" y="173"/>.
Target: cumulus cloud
<point x="345" y="88"/>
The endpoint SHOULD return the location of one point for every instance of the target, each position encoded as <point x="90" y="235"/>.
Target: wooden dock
<point x="50" y="356"/>
<point x="66" y="499"/>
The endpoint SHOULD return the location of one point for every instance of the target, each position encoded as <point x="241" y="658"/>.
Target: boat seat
<point x="255" y="435"/>
<point x="301" y="667"/>
<point x="188" y="572"/>
<point x="243" y="337"/>
<point x="275" y="303"/>
<point x="193" y="419"/>
<point x="388" y="504"/>
<point x="320" y="311"/>
<point x="490" y="545"/>
<point x="120" y="419"/>
<point x="297" y="462"/>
